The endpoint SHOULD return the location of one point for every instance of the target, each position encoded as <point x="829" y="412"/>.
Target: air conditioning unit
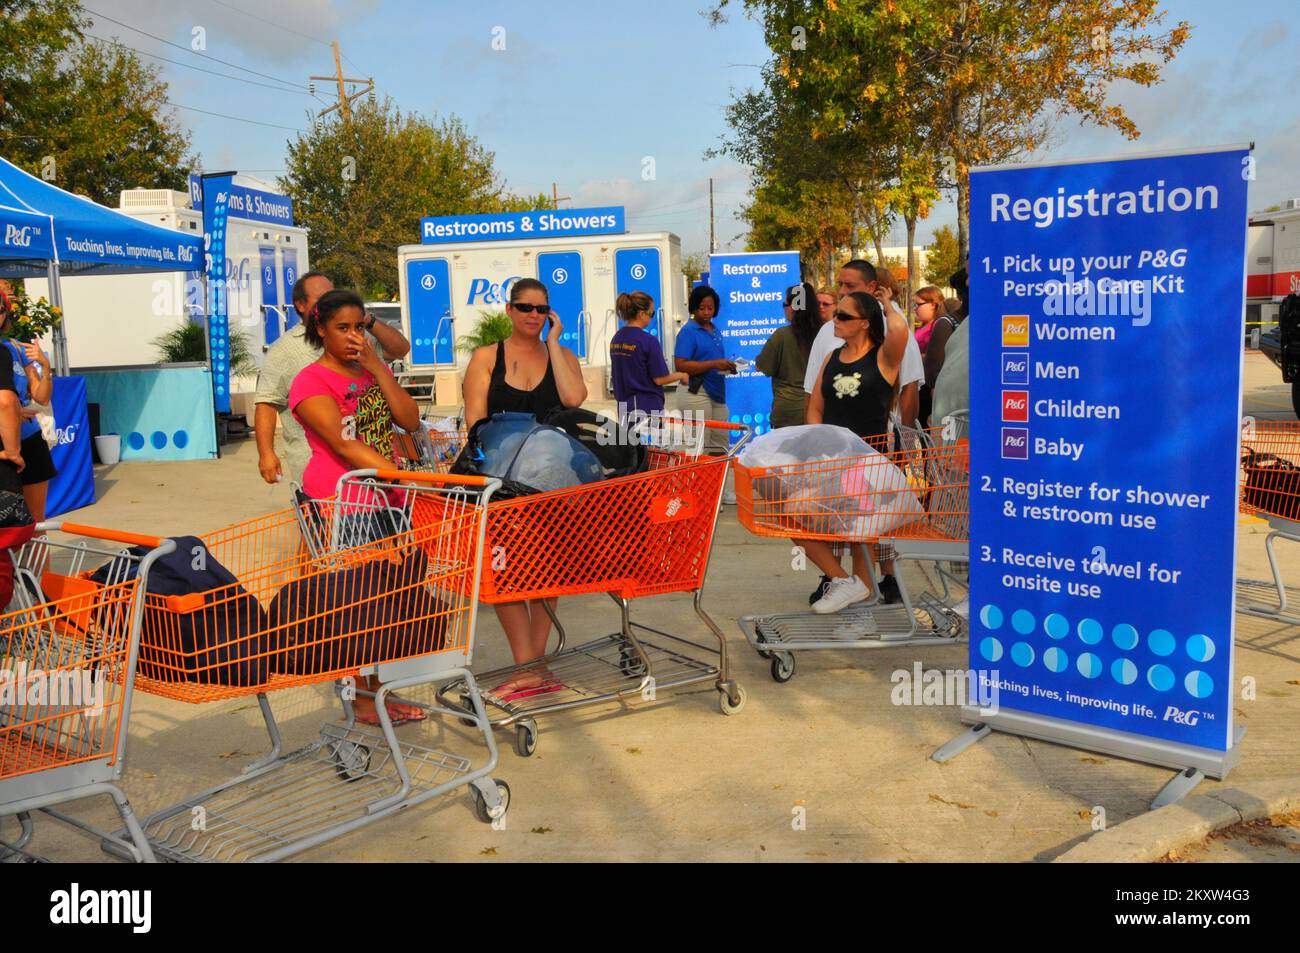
<point x="134" y="200"/>
<point x="1291" y="204"/>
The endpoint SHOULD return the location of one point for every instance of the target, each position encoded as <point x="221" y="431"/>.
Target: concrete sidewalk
<point x="676" y="780"/>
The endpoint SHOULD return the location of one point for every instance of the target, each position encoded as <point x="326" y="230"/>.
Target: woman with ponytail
<point x="636" y="359"/>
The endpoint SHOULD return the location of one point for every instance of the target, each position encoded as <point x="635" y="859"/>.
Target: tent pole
<point x="58" y="340"/>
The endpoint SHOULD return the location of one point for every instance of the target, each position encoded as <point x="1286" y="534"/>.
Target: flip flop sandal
<point x="546" y="689"/>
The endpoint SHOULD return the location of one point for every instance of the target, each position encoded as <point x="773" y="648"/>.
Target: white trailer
<point x="112" y="320"/>
<point x="446" y="288"/>
<point x="1272" y="263"/>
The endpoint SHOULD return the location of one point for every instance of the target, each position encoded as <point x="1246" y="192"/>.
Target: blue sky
<point x="584" y="92"/>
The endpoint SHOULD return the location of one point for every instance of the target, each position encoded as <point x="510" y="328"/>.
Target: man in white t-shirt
<point x="911" y="374"/>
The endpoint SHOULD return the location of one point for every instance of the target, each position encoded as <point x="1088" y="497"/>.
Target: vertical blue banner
<point x="637" y="269"/>
<point x="270" y="295"/>
<point x="216" y="197"/>
<point x="74" y="487"/>
<point x="428" y="292"/>
<point x="1106" y="301"/>
<point x="752" y="289"/>
<point x="561" y="272"/>
<point x="289" y="268"/>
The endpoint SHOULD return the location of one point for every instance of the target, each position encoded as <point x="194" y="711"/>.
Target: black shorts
<point x="40" y="465"/>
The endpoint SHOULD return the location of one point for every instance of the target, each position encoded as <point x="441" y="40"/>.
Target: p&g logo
<point x="1179" y="717"/>
<point x="488" y="292"/>
<point x="1015" y="443"/>
<point x="1015" y="405"/>
<point x="66" y="435"/>
<point x="18" y="237"/>
<point x="1015" y="330"/>
<point x="1015" y="367"/>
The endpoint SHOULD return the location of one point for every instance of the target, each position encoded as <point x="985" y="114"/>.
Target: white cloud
<point x="235" y="30"/>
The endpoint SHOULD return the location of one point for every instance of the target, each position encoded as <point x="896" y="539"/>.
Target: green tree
<point x="943" y="257"/>
<point x="694" y="264"/>
<point x="87" y="115"/>
<point x="362" y="184"/>
<point x="973" y="80"/>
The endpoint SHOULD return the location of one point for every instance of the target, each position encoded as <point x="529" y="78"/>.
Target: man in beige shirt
<point x="284" y="359"/>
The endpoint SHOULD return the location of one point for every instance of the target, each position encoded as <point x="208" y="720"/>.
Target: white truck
<point x="446" y="288"/>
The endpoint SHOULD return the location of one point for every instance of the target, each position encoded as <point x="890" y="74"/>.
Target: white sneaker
<point x="840" y="594"/>
<point x="963" y="608"/>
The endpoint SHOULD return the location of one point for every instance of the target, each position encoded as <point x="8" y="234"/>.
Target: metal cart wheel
<point x="351" y="759"/>
<point x="481" y="810"/>
<point x="526" y="738"/>
<point x="629" y="663"/>
<point x="727" y="704"/>
<point x="782" y="667"/>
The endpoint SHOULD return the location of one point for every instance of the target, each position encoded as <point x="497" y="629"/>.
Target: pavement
<point x="824" y="767"/>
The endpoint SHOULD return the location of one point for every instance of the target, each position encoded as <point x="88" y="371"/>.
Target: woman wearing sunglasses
<point x="524" y="374"/>
<point x="857" y="386"/>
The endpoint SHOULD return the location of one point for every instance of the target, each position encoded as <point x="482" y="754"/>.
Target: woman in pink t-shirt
<point x="347" y="402"/>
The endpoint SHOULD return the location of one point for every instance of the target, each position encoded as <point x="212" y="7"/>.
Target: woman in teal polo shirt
<point x="699" y="352"/>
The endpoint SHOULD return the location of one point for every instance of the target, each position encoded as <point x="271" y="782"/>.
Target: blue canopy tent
<point x="25" y="235"/>
<point x="46" y="232"/>
<point x="84" y="238"/>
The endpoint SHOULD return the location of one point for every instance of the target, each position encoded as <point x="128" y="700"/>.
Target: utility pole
<point x="556" y="196"/>
<point x="712" y="245"/>
<point x="346" y="98"/>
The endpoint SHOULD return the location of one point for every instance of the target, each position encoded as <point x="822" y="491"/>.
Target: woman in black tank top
<point x="855" y="390"/>
<point x="502" y="398"/>
<point x="524" y="373"/>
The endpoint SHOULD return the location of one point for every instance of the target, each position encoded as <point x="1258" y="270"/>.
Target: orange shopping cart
<point x="432" y="448"/>
<point x="390" y="595"/>
<point x="649" y="534"/>
<point x="913" y="502"/>
<point x="68" y="652"/>
<point x="1270" y="490"/>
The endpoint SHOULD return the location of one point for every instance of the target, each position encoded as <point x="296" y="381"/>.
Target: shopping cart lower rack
<point x="632" y="537"/>
<point x="913" y="503"/>
<point x="1270" y="490"/>
<point x="68" y="655"/>
<point x="358" y="585"/>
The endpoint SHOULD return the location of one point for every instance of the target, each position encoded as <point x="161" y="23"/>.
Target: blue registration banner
<point x="752" y="288"/>
<point x="216" y="214"/>
<point x="1105" y="364"/>
<point x="505" y="226"/>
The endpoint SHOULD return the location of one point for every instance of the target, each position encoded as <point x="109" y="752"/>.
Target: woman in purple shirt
<point x="637" y="360"/>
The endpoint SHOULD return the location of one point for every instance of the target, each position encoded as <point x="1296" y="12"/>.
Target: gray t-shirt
<point x="952" y="386"/>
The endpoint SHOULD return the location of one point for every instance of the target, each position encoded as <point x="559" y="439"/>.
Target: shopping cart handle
<point x="746" y="432"/>
<point x="112" y="535"/>
<point x="411" y="476"/>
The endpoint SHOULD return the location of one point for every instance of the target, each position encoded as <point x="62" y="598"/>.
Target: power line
<point x="186" y="49"/>
<point x="281" y="26"/>
<point x="278" y="26"/>
<point x="238" y="79"/>
<point x="252" y="122"/>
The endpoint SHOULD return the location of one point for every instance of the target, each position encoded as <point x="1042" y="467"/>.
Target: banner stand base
<point x="1193" y="764"/>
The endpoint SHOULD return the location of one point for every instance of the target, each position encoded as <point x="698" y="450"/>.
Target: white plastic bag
<point x="871" y="499"/>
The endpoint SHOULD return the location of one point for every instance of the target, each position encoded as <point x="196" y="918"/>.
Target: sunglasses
<point x="530" y="308"/>
<point x="845" y="316"/>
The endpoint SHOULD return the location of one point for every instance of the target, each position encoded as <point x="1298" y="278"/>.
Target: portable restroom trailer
<point x="446" y="288"/>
